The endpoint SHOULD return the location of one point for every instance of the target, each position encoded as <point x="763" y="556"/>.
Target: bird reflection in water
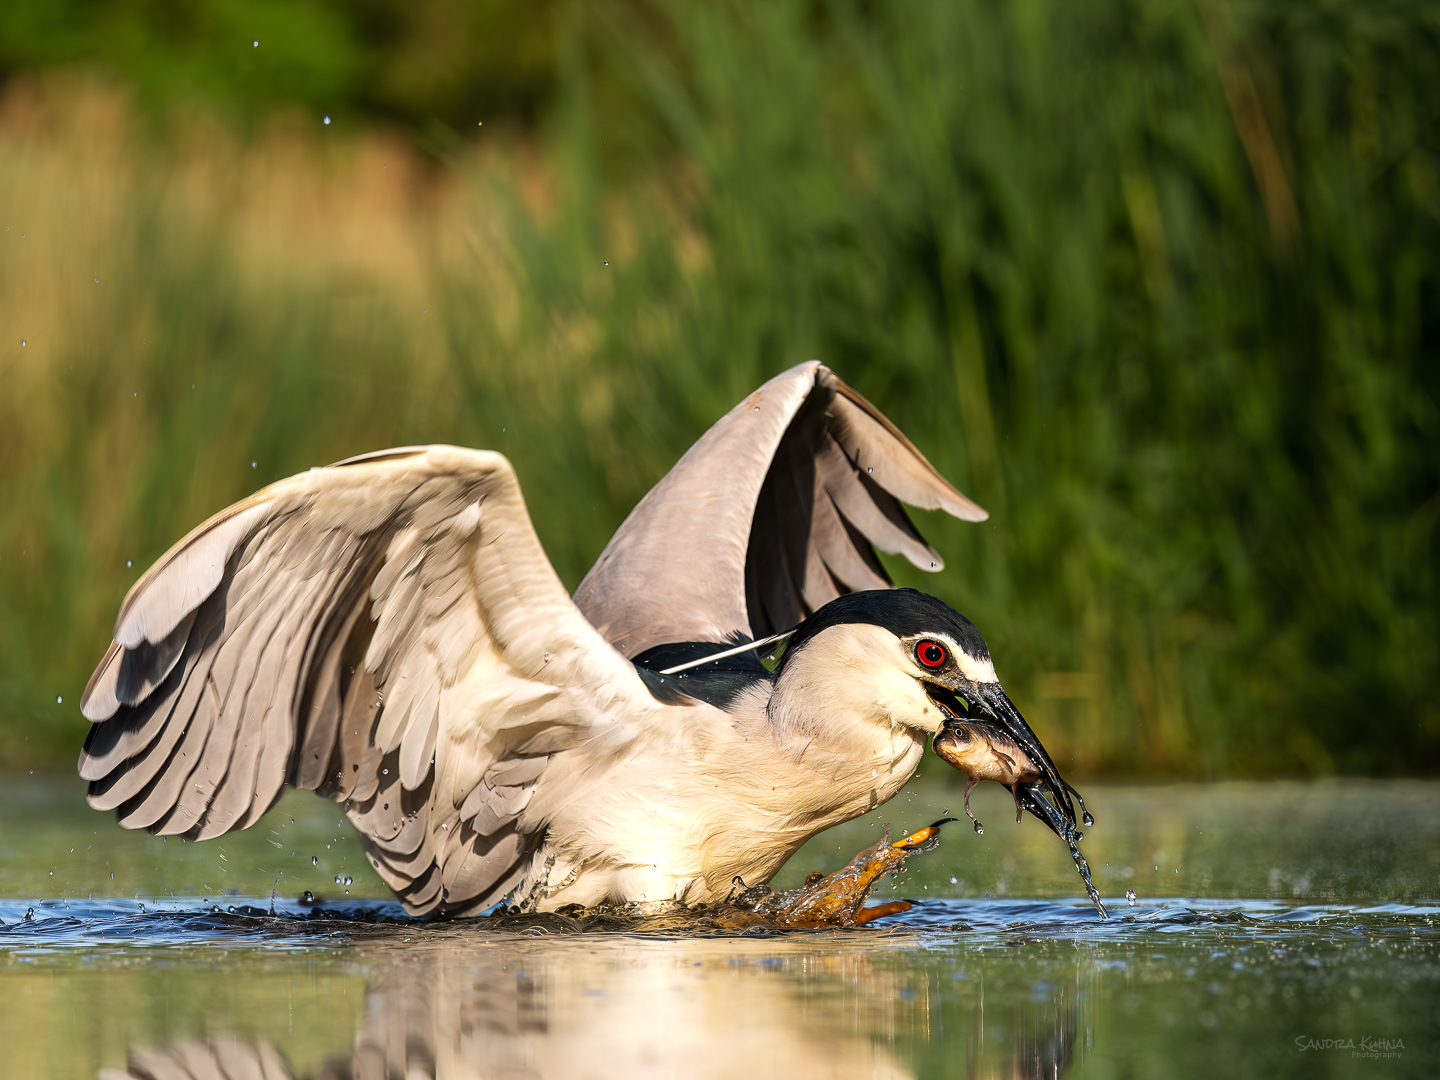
<point x="582" y="1006"/>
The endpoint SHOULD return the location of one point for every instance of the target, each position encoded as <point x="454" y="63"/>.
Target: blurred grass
<point x="1156" y="282"/>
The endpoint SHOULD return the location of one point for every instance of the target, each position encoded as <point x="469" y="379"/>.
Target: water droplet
<point x="871" y="469"/>
<point x="1088" y="819"/>
<point x="23" y="343"/>
<point x="954" y="880"/>
<point x="29" y="915"/>
<point x="327" y="119"/>
<point x="1130" y="897"/>
<point x="255" y="44"/>
<point x="607" y="263"/>
<point x="97" y="281"/>
<point x="314" y="860"/>
<point x="337" y="879"/>
<point x="309" y="897"/>
<point x="349" y="880"/>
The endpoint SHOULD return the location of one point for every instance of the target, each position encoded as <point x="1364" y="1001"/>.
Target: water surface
<point x="1270" y="920"/>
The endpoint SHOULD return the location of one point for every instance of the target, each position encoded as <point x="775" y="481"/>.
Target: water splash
<point x="1072" y="840"/>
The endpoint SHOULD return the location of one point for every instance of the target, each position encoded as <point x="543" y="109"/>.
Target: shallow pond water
<point x="1278" y="929"/>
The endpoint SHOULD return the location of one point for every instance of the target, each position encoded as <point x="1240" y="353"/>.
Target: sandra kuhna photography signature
<point x="1368" y="1046"/>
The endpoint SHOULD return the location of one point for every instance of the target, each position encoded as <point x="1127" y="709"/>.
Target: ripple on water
<point x="254" y="920"/>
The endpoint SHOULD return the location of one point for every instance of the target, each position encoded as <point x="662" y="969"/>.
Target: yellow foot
<point x="839" y="899"/>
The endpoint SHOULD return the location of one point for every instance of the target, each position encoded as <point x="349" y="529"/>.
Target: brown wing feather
<point x="322" y="632"/>
<point x="774" y="511"/>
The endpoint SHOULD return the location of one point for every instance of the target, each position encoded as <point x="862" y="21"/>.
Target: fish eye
<point x="931" y="654"/>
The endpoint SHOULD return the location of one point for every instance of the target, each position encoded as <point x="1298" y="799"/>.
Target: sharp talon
<point x="879" y="911"/>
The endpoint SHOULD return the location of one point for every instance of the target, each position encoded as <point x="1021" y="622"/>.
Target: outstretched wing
<point x="387" y="632"/>
<point x="776" y="510"/>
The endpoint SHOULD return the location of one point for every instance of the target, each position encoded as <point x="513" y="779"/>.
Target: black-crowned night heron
<point x="388" y="633"/>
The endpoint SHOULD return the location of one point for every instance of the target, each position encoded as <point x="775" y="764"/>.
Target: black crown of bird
<point x="389" y="633"/>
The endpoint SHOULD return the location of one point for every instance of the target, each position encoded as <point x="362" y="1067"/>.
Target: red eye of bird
<point x="931" y="654"/>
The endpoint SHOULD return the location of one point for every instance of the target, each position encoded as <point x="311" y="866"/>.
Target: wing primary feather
<point x="109" y="744"/>
<point x="158" y="799"/>
<point x="795" y="487"/>
<point x="891" y="458"/>
<point x="242" y="786"/>
<point x="360" y="758"/>
<point x="185" y="576"/>
<point x="321" y="706"/>
<point x="254" y="667"/>
<point x="848" y="556"/>
<point x="120" y="787"/>
<point x="144" y="667"/>
<point x="870" y="508"/>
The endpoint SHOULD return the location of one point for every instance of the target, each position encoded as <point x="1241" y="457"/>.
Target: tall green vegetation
<point x="1156" y="282"/>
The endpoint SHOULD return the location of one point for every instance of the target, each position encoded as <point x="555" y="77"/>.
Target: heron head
<point x="908" y="658"/>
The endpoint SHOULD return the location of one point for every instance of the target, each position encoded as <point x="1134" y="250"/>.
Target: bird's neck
<point x="793" y="763"/>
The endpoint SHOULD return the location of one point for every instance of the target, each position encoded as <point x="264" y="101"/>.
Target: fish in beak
<point x="996" y="706"/>
<point x="983" y="752"/>
<point x="986" y="738"/>
<point x="988" y="750"/>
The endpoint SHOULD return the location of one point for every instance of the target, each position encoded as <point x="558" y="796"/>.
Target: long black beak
<point x="993" y="699"/>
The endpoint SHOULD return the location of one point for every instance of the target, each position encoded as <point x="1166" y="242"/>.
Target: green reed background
<point x="1154" y="281"/>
